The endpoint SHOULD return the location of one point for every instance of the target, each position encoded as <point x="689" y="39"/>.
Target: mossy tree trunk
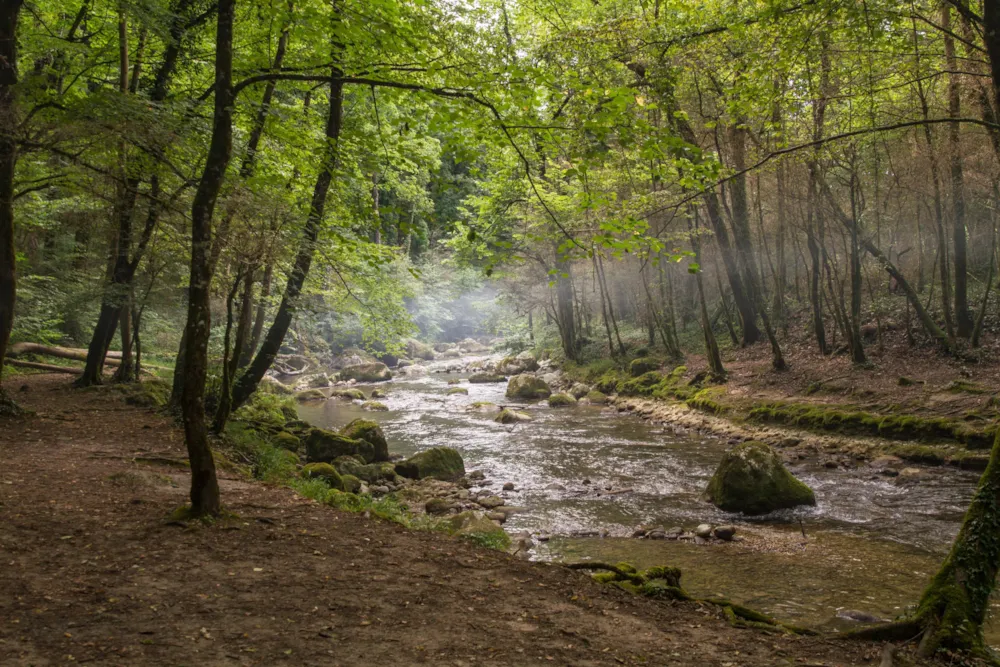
<point x="9" y="12"/>
<point x="954" y="606"/>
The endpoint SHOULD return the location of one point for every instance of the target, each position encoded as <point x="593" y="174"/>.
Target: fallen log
<point x="73" y="370"/>
<point x="49" y="368"/>
<point x="78" y="354"/>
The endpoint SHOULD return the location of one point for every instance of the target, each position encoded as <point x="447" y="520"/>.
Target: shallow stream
<point x="871" y="543"/>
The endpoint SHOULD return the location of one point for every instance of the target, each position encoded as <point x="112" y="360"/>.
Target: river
<point x="871" y="543"/>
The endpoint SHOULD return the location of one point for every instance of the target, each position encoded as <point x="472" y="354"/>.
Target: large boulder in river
<point x="374" y="372"/>
<point x="752" y="479"/>
<point x="324" y="446"/>
<point x="417" y="350"/>
<point x="487" y="378"/>
<point x="442" y="463"/>
<point x="522" y="363"/>
<point x="366" y="429"/>
<point x="527" y="387"/>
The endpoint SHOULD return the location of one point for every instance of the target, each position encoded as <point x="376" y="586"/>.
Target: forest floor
<point x="93" y="570"/>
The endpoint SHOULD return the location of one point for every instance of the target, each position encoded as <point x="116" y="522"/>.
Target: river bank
<point x="96" y="571"/>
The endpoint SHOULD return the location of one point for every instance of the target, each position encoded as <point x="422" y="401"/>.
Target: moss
<point x="267" y="408"/>
<point x="484" y="406"/>
<point x="375" y="406"/>
<point x="643" y="385"/>
<point x="609" y="381"/>
<point x="286" y="440"/>
<point x="597" y="397"/>
<point x="369" y="431"/>
<point x="325" y="472"/>
<point x="642" y="366"/>
<point x="487" y="378"/>
<point x="151" y="393"/>
<point x="964" y="387"/>
<point x="561" y="401"/>
<point x="442" y="463"/>
<point x="508" y="416"/>
<point x="378" y="393"/>
<point x="310" y="395"/>
<point x="350" y="394"/>
<point x="752" y="479"/>
<point x="351" y="483"/>
<point x="324" y="446"/>
<point x="458" y="391"/>
<point x="705" y="400"/>
<point x="527" y="387"/>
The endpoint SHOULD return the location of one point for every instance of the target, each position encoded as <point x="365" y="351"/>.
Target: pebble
<point x="703" y="531"/>
<point x="509" y="486"/>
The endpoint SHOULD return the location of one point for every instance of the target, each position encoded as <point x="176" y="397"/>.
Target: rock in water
<point x="561" y="401"/>
<point x="752" y="479"/>
<point x="369" y="431"/>
<point x="442" y="463"/>
<point x="527" y="387"/>
<point x="376" y="372"/>
<point x="508" y="416"/>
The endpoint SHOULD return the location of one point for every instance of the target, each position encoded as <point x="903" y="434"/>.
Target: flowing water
<point x="872" y="542"/>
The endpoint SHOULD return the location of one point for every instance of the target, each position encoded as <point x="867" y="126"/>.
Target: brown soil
<point x="92" y="570"/>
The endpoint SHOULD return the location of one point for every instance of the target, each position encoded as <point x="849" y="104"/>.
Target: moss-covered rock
<point x="579" y="390"/>
<point x="484" y="406"/>
<point x="372" y="473"/>
<point x="487" y="378"/>
<point x="561" y="401"/>
<point x="597" y="397"/>
<point x="349" y="394"/>
<point x="752" y="479"/>
<point x="417" y="350"/>
<point x="369" y="431"/>
<point x="324" y="446"/>
<point x="442" y="463"/>
<point x="374" y="372"/>
<point x="287" y="440"/>
<point x="351" y="483"/>
<point x="508" y="416"/>
<point x="458" y="391"/>
<point x="479" y="529"/>
<point x="310" y="395"/>
<point x="642" y="365"/>
<point x="378" y="393"/>
<point x="527" y="387"/>
<point x="323" y="471"/>
<point x="149" y="393"/>
<point x="375" y="406"/>
<point x="522" y="363"/>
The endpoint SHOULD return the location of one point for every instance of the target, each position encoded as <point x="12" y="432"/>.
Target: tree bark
<point x="258" y="323"/>
<point x="9" y="118"/>
<point x="204" y="484"/>
<point x="247" y="383"/>
<point x="963" y="315"/>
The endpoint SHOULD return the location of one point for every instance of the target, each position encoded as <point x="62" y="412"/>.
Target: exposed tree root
<point x="664" y="583"/>
<point x="887" y="632"/>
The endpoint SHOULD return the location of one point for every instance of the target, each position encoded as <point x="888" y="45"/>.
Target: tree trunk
<point x="125" y="368"/>
<point x="230" y="353"/>
<point x="715" y="366"/>
<point x="204" y="484"/>
<point x="854" y="321"/>
<point x="963" y="316"/>
<point x="564" y="307"/>
<point x="9" y="118"/>
<point x="247" y="383"/>
<point x="258" y="322"/>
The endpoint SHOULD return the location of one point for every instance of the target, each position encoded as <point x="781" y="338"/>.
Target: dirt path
<point x="91" y="570"/>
